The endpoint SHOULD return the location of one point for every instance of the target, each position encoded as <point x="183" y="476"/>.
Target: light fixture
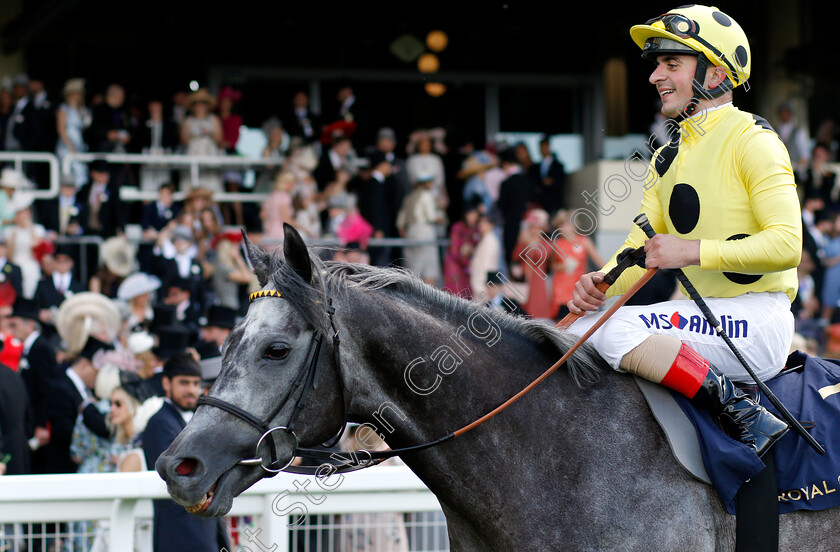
<point x="435" y="89"/>
<point x="437" y="41"/>
<point x="193" y="85"/>
<point x="428" y="63"/>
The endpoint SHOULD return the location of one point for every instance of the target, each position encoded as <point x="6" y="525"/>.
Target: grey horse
<point x="577" y="464"/>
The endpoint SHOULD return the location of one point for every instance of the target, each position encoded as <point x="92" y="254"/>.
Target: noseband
<point x="304" y="377"/>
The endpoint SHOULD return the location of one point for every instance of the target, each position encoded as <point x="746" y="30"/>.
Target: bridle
<point x="359" y="459"/>
<point x="305" y="378"/>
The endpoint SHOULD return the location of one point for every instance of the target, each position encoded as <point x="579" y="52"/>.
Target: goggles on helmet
<point x="685" y="28"/>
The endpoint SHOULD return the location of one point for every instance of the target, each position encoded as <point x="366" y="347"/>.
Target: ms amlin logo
<point x="734" y="327"/>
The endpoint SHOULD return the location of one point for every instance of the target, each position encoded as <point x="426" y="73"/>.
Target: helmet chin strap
<point x="701" y="93"/>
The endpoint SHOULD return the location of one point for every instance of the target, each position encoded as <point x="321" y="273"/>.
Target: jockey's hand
<point x="667" y="251"/>
<point x="586" y="296"/>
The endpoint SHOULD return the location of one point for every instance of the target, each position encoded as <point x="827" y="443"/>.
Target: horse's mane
<point x="336" y="279"/>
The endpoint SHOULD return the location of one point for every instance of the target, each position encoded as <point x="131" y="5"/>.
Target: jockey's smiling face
<point x="672" y="78"/>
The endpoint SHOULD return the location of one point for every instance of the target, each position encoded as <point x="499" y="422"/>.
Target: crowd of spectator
<point x="87" y="329"/>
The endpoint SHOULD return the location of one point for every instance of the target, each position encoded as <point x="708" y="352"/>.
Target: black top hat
<point x="25" y="308"/>
<point x="181" y="364"/>
<point x="92" y="347"/>
<point x="163" y="315"/>
<point x="181" y="283"/>
<point x="220" y="317"/>
<point x="135" y="386"/>
<point x="64" y="249"/>
<point x="99" y="165"/>
<point x="171" y="340"/>
<point x="211" y="360"/>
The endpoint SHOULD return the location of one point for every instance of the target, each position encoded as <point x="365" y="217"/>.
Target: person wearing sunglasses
<point x="722" y="199"/>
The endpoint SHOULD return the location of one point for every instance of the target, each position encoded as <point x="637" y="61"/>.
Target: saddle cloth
<point x="809" y="388"/>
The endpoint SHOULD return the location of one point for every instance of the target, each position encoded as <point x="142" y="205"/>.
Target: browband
<point x="264" y="293"/>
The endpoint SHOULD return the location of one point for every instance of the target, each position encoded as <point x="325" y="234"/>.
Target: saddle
<point x="810" y="388"/>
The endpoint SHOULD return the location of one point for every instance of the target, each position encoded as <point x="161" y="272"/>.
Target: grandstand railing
<point x="194" y="163"/>
<point x="276" y="510"/>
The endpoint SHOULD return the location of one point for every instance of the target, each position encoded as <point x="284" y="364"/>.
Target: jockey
<point x="722" y="199"/>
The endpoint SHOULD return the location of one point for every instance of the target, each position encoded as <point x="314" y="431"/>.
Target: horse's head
<point x="279" y="385"/>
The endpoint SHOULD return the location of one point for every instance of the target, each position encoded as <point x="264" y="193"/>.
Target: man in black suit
<point x="182" y="266"/>
<point x="351" y="110"/>
<point x="73" y="391"/>
<point x="15" y="423"/>
<point x="53" y="290"/>
<point x="301" y="121"/>
<point x="515" y="193"/>
<point x="39" y="369"/>
<point x="550" y="177"/>
<point x="9" y="273"/>
<point x="104" y="212"/>
<point x="154" y="217"/>
<point x="63" y="213"/>
<point x="23" y="125"/>
<point x="370" y="187"/>
<point x="216" y="326"/>
<point x="174" y="528"/>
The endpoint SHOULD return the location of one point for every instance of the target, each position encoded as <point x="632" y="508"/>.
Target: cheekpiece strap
<point x="264" y="293"/>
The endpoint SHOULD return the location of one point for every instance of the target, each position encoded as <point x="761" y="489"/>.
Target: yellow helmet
<point x="700" y="30"/>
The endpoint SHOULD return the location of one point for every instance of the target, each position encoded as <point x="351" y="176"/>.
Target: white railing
<point x="278" y="503"/>
<point x="193" y="163"/>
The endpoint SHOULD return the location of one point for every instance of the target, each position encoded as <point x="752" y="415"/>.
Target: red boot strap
<point x="687" y="373"/>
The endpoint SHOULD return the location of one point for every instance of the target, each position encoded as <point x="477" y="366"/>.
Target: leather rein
<point x="359" y="459"/>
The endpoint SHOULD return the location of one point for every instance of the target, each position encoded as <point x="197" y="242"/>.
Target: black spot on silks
<point x="721" y="18"/>
<point x="684" y="208"/>
<point x="737" y="277"/>
<point x="762" y="122"/>
<point x="741" y="56"/>
<point x="685" y="6"/>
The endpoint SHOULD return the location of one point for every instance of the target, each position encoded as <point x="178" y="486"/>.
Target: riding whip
<point x="642" y="222"/>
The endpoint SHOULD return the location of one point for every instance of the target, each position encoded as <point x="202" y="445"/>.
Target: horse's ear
<point x="259" y="259"/>
<point x="296" y="253"/>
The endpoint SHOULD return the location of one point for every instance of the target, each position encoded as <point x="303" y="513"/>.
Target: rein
<point x="351" y="460"/>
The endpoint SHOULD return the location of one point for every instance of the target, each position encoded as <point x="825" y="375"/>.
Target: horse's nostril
<point x="186" y="467"/>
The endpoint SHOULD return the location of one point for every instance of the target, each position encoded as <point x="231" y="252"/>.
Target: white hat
<point x="136" y="285"/>
<point x="21" y="201"/>
<point x="118" y="255"/>
<point x="140" y="342"/>
<point x="10" y="178"/>
<point x="84" y="314"/>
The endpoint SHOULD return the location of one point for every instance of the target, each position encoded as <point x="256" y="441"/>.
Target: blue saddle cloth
<point x="809" y="388"/>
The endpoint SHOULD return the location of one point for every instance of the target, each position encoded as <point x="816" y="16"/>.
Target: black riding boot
<point x="752" y="424"/>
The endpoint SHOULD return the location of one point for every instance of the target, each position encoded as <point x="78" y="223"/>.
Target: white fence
<point x="278" y="509"/>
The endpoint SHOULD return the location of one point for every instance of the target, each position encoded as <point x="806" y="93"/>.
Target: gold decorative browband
<point x="264" y="293"/>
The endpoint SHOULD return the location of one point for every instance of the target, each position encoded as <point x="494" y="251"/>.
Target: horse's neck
<point x="421" y="374"/>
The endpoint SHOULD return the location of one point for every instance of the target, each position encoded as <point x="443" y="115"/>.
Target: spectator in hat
<point x="335" y="166"/>
<point x="174" y="527"/>
<point x="157" y="135"/>
<point x="72" y="118"/>
<point x="417" y="220"/>
<point x="72" y="393"/>
<point x="23" y="130"/>
<point x="15" y="423"/>
<point x="216" y="326"/>
<point x="118" y="262"/>
<point x="211" y="363"/>
<point x="423" y="159"/>
<point x="11" y="181"/>
<point x="21" y="239"/>
<point x="201" y="134"/>
<point x="136" y="292"/>
<point x="179" y="262"/>
<point x="231" y="273"/>
<point x="39" y="369"/>
<point x="52" y="291"/>
<point x="179" y="294"/>
<point x="463" y="239"/>
<point x="62" y="215"/>
<point x="154" y="217"/>
<point x="231" y="121"/>
<point x="485" y="258"/>
<point x="104" y="210"/>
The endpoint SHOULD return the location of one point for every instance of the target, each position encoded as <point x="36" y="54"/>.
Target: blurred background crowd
<point x="87" y="327"/>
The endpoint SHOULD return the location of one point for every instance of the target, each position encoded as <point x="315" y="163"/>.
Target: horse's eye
<point x="276" y="352"/>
